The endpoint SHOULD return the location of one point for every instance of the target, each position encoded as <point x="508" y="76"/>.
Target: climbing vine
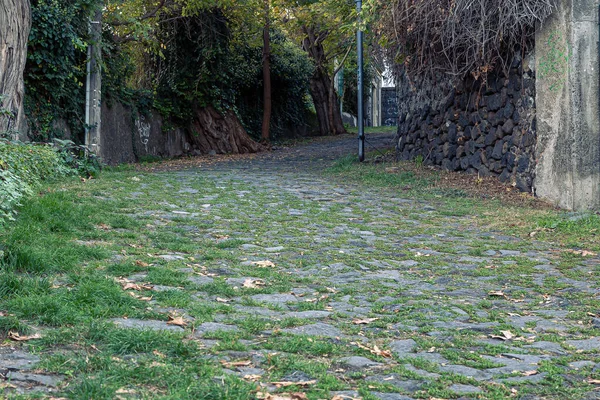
<point x="459" y="37"/>
<point x="56" y="66"/>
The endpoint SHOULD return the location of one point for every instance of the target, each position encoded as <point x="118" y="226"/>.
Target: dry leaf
<point x="375" y="350"/>
<point x="281" y="396"/>
<point x="178" y="321"/>
<point x="131" y="286"/>
<point x="125" y="391"/>
<point x="506" y="335"/>
<point x="286" y="383"/>
<point x="264" y="263"/>
<point x="252" y="378"/>
<point x="594" y="381"/>
<point x="365" y="321"/>
<point x="220" y="300"/>
<point x="583" y="253"/>
<point x="141" y="264"/>
<point x="157" y="364"/>
<point x="7" y="386"/>
<point x="229" y="364"/>
<point x="18" y="338"/>
<point x="158" y="353"/>
<point x="253" y="283"/>
<point x="344" y="397"/>
<point x="498" y="293"/>
<point x="530" y="373"/>
<point x="104" y="227"/>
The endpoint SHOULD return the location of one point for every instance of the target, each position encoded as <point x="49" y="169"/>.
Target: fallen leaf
<point x="281" y="396"/>
<point x="375" y="350"/>
<point x="7" y="386"/>
<point x="178" y="321"/>
<point x="158" y="353"/>
<point x="506" y="335"/>
<point x="125" y="391"/>
<point x="18" y="338"/>
<point x="131" y="286"/>
<point x="498" y="293"/>
<point x="263" y="264"/>
<point x="583" y="253"/>
<point x="344" y="397"/>
<point x="253" y="283"/>
<point x="220" y="300"/>
<point x="252" y="378"/>
<point x="365" y="321"/>
<point x="530" y="373"/>
<point x="141" y="264"/>
<point x="286" y="383"/>
<point x="594" y="381"/>
<point x="229" y="364"/>
<point x="157" y="364"/>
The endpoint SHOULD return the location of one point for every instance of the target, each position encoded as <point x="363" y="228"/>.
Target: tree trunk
<point x="326" y="101"/>
<point x="15" y="24"/>
<point x="266" y="123"/>
<point x="222" y="134"/>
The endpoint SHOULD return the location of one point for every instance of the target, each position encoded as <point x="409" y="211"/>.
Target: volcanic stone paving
<point x="394" y="298"/>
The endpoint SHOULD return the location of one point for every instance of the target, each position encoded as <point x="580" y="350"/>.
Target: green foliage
<point x="78" y="158"/>
<point x="191" y="70"/>
<point x="56" y="66"/>
<point x="23" y="167"/>
<point x="202" y="65"/>
<point x="290" y="74"/>
<point x="5" y="114"/>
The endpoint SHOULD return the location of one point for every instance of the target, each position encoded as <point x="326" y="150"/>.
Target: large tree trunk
<point x="326" y="101"/>
<point x="15" y="24"/>
<point x="222" y="134"/>
<point x="266" y="123"/>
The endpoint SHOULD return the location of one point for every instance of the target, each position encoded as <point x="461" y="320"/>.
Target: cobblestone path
<point x="285" y="275"/>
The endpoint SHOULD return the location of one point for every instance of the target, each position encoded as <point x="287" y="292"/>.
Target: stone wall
<point x="128" y="136"/>
<point x="485" y="129"/>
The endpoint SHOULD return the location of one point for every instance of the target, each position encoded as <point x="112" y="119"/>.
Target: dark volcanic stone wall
<point x="484" y="129"/>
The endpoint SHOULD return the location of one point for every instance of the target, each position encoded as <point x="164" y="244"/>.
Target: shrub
<point x="78" y="158"/>
<point x="23" y="167"/>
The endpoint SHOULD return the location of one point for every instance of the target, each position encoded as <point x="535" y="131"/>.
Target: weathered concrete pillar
<point x="568" y="106"/>
<point x="93" y="102"/>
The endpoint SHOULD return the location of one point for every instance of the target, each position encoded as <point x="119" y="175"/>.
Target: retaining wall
<point x="487" y="129"/>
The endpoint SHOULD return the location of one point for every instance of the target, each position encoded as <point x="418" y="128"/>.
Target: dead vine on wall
<point x="460" y="37"/>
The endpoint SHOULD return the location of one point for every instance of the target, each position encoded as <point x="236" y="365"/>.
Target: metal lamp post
<point x="361" y="122"/>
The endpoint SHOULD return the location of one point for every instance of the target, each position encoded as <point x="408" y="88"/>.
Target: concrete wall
<point x="128" y="136"/>
<point x="568" y="98"/>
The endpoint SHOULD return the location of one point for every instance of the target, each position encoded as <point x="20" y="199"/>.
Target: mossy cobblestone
<point x="355" y="271"/>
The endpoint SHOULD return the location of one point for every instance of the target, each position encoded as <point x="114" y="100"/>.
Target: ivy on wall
<point x="56" y="67"/>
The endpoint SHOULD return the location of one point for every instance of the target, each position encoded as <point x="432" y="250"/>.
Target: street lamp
<point x="361" y="122"/>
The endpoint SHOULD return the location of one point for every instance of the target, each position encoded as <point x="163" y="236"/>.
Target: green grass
<point x="61" y="262"/>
